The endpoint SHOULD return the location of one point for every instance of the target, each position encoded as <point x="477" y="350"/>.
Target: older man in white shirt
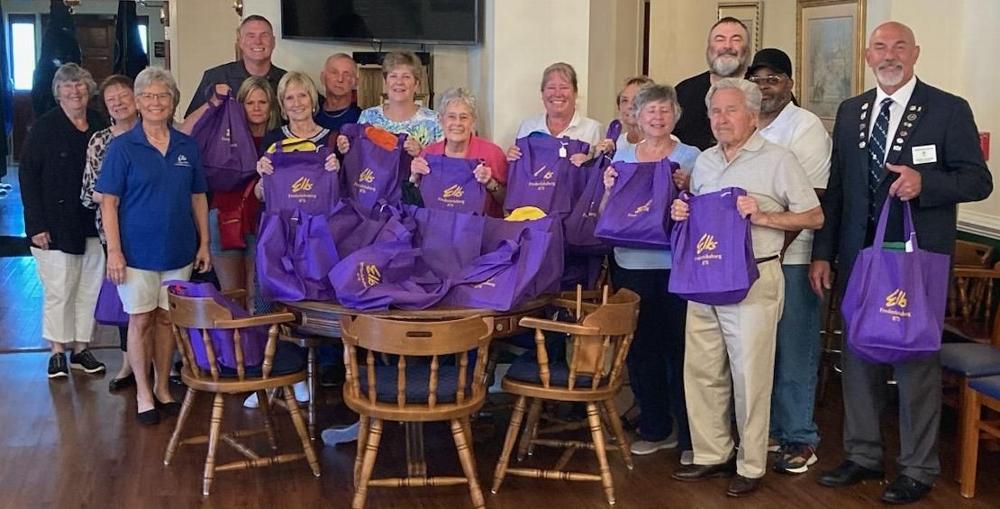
<point x="794" y="434"/>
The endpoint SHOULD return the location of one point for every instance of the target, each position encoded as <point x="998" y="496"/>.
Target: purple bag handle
<point x="614" y="129"/>
<point x="909" y="233"/>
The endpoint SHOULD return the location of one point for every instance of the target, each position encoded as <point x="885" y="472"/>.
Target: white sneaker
<point x="301" y="392"/>
<point x="687" y="458"/>
<point x="340" y="434"/>
<point x="643" y="447"/>
<point x="251" y="401"/>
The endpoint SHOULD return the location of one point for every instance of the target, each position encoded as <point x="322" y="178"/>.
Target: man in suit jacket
<point x="912" y="141"/>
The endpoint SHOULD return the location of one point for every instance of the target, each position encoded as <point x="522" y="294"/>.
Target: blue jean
<point x="796" y="362"/>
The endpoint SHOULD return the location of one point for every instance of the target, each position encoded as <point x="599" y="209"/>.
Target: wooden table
<point x="323" y="319"/>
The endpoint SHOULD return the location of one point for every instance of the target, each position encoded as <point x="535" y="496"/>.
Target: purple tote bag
<point x="502" y="279"/>
<point x="253" y="339"/>
<point x="228" y="152"/>
<point x="581" y="222"/>
<point x="295" y="252"/>
<point x="451" y="185"/>
<point x="372" y="173"/>
<point x="299" y="182"/>
<point x="894" y="302"/>
<point x="637" y="212"/>
<point x="383" y="275"/>
<point x="449" y="241"/>
<point x="497" y="231"/>
<point x="713" y="261"/>
<point x="543" y="177"/>
<point x="109" y="309"/>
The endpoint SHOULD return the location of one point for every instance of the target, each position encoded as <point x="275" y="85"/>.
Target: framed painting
<point x="830" y="43"/>
<point x="751" y="14"/>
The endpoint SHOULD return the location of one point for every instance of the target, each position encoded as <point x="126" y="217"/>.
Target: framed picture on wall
<point x="751" y="14"/>
<point x="829" y="43"/>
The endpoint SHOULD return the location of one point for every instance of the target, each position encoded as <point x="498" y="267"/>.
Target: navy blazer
<point x="932" y="117"/>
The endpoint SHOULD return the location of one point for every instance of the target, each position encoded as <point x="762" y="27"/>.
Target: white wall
<point x="615" y="53"/>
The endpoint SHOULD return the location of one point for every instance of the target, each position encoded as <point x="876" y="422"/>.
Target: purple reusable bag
<point x="253" y="339"/>
<point x="637" y="212"/>
<point x="543" y="177"/>
<point x="228" y="153"/>
<point x="451" y="185"/>
<point x="109" y="309"/>
<point x="579" y="225"/>
<point x="383" y="275"/>
<point x="498" y="230"/>
<point x="295" y="252"/>
<point x="713" y="261"/>
<point x="299" y="182"/>
<point x="449" y="241"/>
<point x="894" y="302"/>
<point x="372" y="173"/>
<point x="504" y="278"/>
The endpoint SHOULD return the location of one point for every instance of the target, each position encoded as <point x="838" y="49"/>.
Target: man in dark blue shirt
<point x="339" y="76"/>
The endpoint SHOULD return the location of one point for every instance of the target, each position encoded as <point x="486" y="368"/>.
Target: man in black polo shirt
<point x="256" y="41"/>
<point x="727" y="55"/>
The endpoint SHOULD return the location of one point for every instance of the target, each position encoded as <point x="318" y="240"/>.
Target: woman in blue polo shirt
<point x="156" y="223"/>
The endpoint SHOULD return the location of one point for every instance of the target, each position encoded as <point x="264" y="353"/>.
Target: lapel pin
<point x="907" y="124"/>
<point x="913" y="108"/>
<point x="911" y="117"/>
<point x="861" y="145"/>
<point x="904" y="133"/>
<point x="861" y="135"/>
<point x="897" y="148"/>
<point x="864" y="115"/>
<point x="899" y="140"/>
<point x="920" y="108"/>
<point x="864" y="106"/>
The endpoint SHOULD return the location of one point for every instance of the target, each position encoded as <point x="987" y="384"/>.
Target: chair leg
<point x="265" y="406"/>
<point x="213" y="443"/>
<point x="602" y="456"/>
<point x="616" y="428"/>
<point x="467" y="428"/>
<point x="508" y="442"/>
<point x="368" y="464"/>
<point x="971" y="413"/>
<point x="311" y="382"/>
<point x="300" y="428"/>
<point x="465" y="456"/>
<point x="530" y="431"/>
<point x="362" y="440"/>
<point x="178" y="429"/>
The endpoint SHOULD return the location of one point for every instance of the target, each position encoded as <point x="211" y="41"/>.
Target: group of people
<point x="130" y="202"/>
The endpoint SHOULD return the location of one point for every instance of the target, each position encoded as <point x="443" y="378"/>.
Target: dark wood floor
<point x="70" y="443"/>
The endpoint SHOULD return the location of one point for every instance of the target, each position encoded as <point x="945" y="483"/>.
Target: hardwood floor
<point x="69" y="444"/>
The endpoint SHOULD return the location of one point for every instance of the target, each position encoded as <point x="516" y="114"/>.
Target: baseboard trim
<point x="978" y="223"/>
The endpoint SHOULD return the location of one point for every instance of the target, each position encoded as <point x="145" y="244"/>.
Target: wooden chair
<point x="592" y="375"/>
<point x="415" y="383"/>
<point x="983" y="394"/>
<point x="281" y="367"/>
<point x="970" y="296"/>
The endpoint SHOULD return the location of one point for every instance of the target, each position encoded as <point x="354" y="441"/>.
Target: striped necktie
<point x="876" y="154"/>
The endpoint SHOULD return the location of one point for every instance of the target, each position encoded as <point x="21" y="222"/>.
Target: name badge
<point x="924" y="154"/>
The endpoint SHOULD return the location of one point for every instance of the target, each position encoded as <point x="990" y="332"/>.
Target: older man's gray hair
<point x="73" y="73"/>
<point x="751" y="92"/>
<point x="151" y="75"/>
<point x="654" y="92"/>
<point x="456" y="95"/>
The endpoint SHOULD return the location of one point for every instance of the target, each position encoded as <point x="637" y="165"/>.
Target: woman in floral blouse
<point x="116" y="90"/>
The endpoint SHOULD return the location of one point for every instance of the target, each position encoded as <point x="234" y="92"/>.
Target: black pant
<point x="656" y="359"/>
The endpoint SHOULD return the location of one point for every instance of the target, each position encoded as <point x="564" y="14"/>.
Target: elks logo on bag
<point x="641" y="209"/>
<point x="368" y="274"/>
<point x="452" y="196"/>
<point x="485" y="284"/>
<point x="302" y="184"/>
<point x="896" y="299"/>
<point x="546" y="180"/>
<point x="705" y="249"/>
<point x="365" y="179"/>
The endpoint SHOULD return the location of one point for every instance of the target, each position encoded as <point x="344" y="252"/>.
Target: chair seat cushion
<point x="417" y="382"/>
<point x="288" y="359"/>
<point x="988" y="385"/>
<point x="970" y="359"/>
<point x="525" y="369"/>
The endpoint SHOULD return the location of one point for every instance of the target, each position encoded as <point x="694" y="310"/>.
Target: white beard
<point x="725" y="65"/>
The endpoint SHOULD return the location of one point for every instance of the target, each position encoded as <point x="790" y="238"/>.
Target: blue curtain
<point x="59" y="46"/>
<point x="130" y="58"/>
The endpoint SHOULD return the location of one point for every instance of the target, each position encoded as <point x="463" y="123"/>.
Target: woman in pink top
<point x="457" y="111"/>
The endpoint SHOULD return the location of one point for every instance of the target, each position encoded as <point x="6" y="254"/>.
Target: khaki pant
<point x="729" y="363"/>
<point x="70" y="284"/>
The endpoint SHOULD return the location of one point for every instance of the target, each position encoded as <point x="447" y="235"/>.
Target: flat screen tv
<point x="401" y="21"/>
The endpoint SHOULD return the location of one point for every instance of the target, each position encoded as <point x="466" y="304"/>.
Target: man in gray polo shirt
<point x="733" y="345"/>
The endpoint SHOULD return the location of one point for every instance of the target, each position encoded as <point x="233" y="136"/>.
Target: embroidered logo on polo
<point x="300" y="190"/>
<point x="368" y="275"/>
<point x="182" y="160"/>
<point x="641" y="209"/>
<point x="895" y="305"/>
<point x="366" y="180"/>
<point x="547" y="178"/>
<point x="705" y="250"/>
<point x="452" y="196"/>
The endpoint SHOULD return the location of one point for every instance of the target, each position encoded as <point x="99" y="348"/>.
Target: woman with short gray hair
<point x="156" y="225"/>
<point x="63" y="234"/>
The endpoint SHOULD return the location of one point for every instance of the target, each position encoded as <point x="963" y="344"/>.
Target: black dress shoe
<point x="168" y="407"/>
<point x="905" y="490"/>
<point x="741" y="486"/>
<point x="690" y="473"/>
<point x="149" y="417"/>
<point x="847" y="474"/>
<point x="117" y="384"/>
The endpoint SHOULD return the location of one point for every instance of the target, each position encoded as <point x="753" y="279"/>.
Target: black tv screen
<point x="412" y="21"/>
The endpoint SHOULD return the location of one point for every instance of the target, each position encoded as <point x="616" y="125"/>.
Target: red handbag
<point x="237" y="216"/>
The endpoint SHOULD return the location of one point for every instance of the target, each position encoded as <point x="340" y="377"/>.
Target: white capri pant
<point x="70" y="284"/>
<point x="143" y="290"/>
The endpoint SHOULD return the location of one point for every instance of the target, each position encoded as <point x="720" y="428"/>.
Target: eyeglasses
<point x="770" y="79"/>
<point x="156" y="97"/>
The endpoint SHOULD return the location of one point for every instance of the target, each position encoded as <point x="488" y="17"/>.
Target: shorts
<point x="215" y="238"/>
<point x="143" y="290"/>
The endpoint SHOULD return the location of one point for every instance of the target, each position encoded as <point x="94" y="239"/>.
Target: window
<point x="144" y="38"/>
<point x="22" y="50"/>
